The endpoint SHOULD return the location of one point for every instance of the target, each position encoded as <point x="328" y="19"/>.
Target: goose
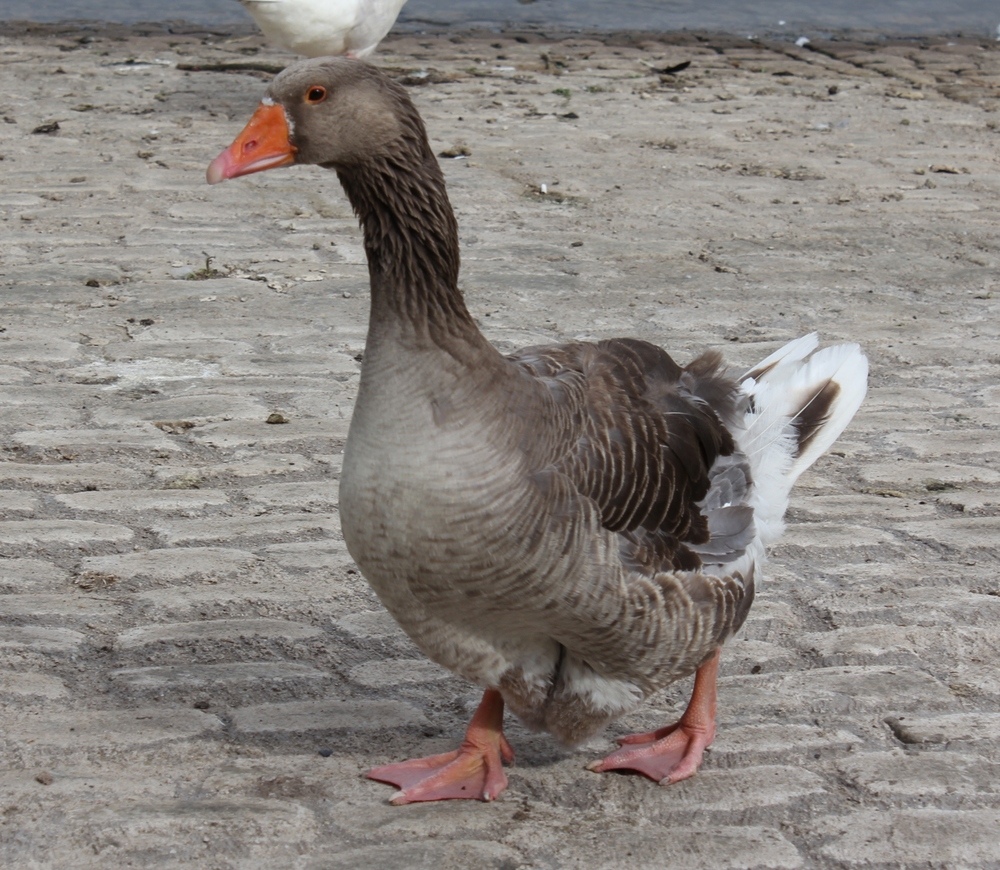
<point x="572" y="527"/>
<point x="316" y="28"/>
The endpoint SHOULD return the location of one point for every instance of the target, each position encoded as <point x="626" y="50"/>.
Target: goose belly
<point x="492" y="576"/>
<point x="434" y="516"/>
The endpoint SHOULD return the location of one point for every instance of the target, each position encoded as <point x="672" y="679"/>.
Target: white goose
<point x="316" y="28"/>
<point x="573" y="526"/>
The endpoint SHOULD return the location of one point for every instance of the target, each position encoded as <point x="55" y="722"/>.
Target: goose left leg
<point x="474" y="771"/>
<point x="673" y="753"/>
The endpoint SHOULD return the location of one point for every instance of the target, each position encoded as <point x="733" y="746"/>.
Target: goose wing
<point x="647" y="441"/>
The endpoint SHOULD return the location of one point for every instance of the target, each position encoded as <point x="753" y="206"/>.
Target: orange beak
<point x="263" y="144"/>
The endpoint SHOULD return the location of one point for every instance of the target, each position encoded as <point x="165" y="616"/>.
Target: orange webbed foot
<point x="673" y="753"/>
<point x="474" y="771"/>
<point x="668" y="759"/>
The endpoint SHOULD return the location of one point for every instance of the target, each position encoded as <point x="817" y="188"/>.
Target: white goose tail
<point x="800" y="400"/>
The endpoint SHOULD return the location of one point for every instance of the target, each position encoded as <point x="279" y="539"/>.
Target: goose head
<point x="334" y="112"/>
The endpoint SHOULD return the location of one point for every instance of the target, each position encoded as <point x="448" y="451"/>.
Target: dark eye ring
<point x="316" y="94"/>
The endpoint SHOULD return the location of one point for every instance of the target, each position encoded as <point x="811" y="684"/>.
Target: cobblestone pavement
<point x="192" y="672"/>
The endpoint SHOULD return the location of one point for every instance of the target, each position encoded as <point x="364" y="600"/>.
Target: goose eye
<point x="316" y="94"/>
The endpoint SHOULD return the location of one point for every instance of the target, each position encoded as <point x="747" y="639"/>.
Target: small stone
<point x="276" y="418"/>
<point x="174" y="427"/>
<point x="459" y="149"/>
<point x="44" y="777"/>
<point x="325" y="753"/>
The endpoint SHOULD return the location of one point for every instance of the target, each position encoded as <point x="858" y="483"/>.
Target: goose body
<point x="317" y="28"/>
<point x="573" y="526"/>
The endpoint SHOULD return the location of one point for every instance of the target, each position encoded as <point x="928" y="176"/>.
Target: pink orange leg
<point x="673" y="753"/>
<point x="474" y="771"/>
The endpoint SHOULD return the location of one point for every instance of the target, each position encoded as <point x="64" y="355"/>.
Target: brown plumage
<point x="573" y="526"/>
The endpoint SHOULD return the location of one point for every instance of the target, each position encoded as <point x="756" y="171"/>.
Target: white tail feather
<point x="781" y="389"/>
<point x="795" y="350"/>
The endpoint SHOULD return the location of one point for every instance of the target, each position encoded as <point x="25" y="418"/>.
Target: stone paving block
<point x="971" y="499"/>
<point x="25" y="683"/>
<point x="322" y="555"/>
<point x="979" y="677"/>
<point x="41" y="638"/>
<point x="836" y="690"/>
<point x="22" y="575"/>
<point x="132" y="501"/>
<point x="33" y="350"/>
<point x="184" y="409"/>
<point x="967" y="533"/>
<point x="900" y="837"/>
<point x="250" y="832"/>
<point x="66" y="605"/>
<point x="397" y="672"/>
<point x="243" y="464"/>
<point x="919" y="729"/>
<point x="742" y="654"/>
<point x="70" y="475"/>
<point x="149" y="371"/>
<point x="975" y="442"/>
<point x="353" y="714"/>
<point x="174" y="563"/>
<point x="306" y="361"/>
<point x="304" y="494"/>
<point x="813" y="536"/>
<point x="13" y="501"/>
<point x="230" y="528"/>
<point x="80" y="439"/>
<point x="380" y="821"/>
<point x="197" y="675"/>
<point x="13" y="375"/>
<point x="921" y="774"/>
<point x="370" y="623"/>
<point x="276" y="594"/>
<point x="905" y="474"/>
<point x="425" y="855"/>
<point x="782" y="738"/>
<point x="214" y="630"/>
<point x="207" y="350"/>
<point x="914" y="605"/>
<point x="55" y="415"/>
<point x="849" y="509"/>
<point x="61" y="532"/>
<point x="725" y="790"/>
<point x="241" y="434"/>
<point x="82" y="728"/>
<point x="871" y="640"/>
<point x="717" y="846"/>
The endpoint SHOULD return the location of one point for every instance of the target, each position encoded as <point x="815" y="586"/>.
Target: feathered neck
<point x="411" y="240"/>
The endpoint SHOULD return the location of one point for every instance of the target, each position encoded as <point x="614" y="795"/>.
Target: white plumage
<point x="316" y="28"/>
<point x="781" y="388"/>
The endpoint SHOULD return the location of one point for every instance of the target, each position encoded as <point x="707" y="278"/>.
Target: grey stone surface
<point x="325" y="715"/>
<point x="214" y="629"/>
<point x="181" y="626"/>
<point x="174" y="563"/>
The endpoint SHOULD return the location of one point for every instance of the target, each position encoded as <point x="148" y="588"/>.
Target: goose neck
<point x="411" y="241"/>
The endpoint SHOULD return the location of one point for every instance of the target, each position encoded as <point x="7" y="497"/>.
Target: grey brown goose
<point x="573" y="526"/>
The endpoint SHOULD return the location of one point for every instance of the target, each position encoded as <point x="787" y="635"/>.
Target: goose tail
<point x="799" y="400"/>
